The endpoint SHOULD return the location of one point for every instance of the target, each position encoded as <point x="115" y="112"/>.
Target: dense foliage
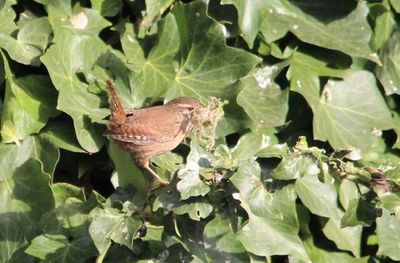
<point x="305" y="167"/>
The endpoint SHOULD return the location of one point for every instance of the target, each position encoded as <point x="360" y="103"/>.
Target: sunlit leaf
<point x="388" y="73"/>
<point x="347" y="238"/>
<point x="75" y="50"/>
<point x="30" y="101"/>
<point x="388" y="230"/>
<point x="272" y="227"/>
<point x="190" y="183"/>
<point x="20" y="212"/>
<point x="109" y="225"/>
<point x="356" y="97"/>
<point x="322" y="202"/>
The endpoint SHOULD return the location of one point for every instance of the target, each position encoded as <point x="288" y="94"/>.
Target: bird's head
<point x="189" y="107"/>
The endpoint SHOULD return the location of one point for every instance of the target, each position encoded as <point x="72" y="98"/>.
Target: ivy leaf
<point x="154" y="11"/>
<point x="29" y="103"/>
<point x="360" y="212"/>
<point x="347" y="238"/>
<point x="7" y="16"/>
<point x="251" y="143"/>
<point x="221" y="242"/>
<point x="57" y="248"/>
<point x="322" y="202"/>
<point x="190" y="183"/>
<point x="390" y="201"/>
<point x="343" y="105"/>
<point x="396" y="5"/>
<point x="20" y="212"/>
<point x="348" y="191"/>
<point x="42" y="150"/>
<point x="109" y="225"/>
<point x="75" y="50"/>
<point x="388" y="72"/>
<point x="107" y="7"/>
<point x="388" y="230"/>
<point x="262" y="98"/>
<point x="202" y="73"/>
<point x="295" y="166"/>
<point x="7" y="163"/>
<point x="315" y="24"/>
<point x="128" y="173"/>
<point x="31" y="42"/>
<point x="65" y="228"/>
<point x="272" y="228"/>
<point x="384" y="26"/>
<point x="155" y="72"/>
<point x="251" y="15"/>
<point x="61" y="134"/>
<point x="196" y="209"/>
<point x="356" y="97"/>
<point x="194" y="71"/>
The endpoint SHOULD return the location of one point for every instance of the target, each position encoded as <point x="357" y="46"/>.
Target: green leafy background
<point x="306" y="163"/>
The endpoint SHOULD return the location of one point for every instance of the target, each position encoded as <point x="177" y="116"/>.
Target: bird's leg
<point x="154" y="174"/>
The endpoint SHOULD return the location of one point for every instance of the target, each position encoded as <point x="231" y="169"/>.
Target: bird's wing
<point x="148" y="126"/>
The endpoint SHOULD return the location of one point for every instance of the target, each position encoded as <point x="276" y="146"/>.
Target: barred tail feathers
<point x="118" y="114"/>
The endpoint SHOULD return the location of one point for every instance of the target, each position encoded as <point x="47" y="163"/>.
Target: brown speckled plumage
<point x="150" y="131"/>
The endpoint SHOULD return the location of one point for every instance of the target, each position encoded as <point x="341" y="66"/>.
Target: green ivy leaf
<point x="20" y="212"/>
<point x="221" y="242"/>
<point x="390" y="201"/>
<point x="252" y="143"/>
<point x="384" y="26"/>
<point x="202" y="73"/>
<point x="315" y="24"/>
<point x="396" y="5"/>
<point x="272" y="228"/>
<point x="65" y="229"/>
<point x="155" y="72"/>
<point x="42" y="150"/>
<point x="107" y="7"/>
<point x="262" y="99"/>
<point x="61" y="134"/>
<point x="7" y="16"/>
<point x="360" y="212"/>
<point x="57" y="248"/>
<point x="348" y="191"/>
<point x="154" y="11"/>
<point x="75" y="50"/>
<point x="251" y="15"/>
<point x="29" y="103"/>
<point x="347" y="238"/>
<point x="190" y="184"/>
<point x="7" y="163"/>
<point x="196" y="209"/>
<point x="295" y="166"/>
<point x="63" y="191"/>
<point x="109" y="225"/>
<point x="128" y="173"/>
<point x="322" y="202"/>
<point x="322" y="28"/>
<point x="388" y="230"/>
<point x="356" y="97"/>
<point x="388" y="73"/>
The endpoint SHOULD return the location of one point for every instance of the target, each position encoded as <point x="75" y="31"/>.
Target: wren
<point x="151" y="131"/>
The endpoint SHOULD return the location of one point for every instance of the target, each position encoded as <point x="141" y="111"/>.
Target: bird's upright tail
<point x="118" y="115"/>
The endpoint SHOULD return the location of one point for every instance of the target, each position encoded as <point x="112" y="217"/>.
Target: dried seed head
<point x="205" y="121"/>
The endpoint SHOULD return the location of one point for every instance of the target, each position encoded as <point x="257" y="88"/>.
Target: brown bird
<point x="151" y="131"/>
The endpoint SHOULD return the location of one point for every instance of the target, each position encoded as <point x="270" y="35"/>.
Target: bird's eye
<point x="190" y="108"/>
